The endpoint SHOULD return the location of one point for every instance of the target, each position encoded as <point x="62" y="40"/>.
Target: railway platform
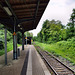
<point x="29" y="63"/>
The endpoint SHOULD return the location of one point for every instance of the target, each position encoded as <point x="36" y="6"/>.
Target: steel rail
<point x="54" y="71"/>
<point x="48" y="64"/>
<point x="60" y="62"/>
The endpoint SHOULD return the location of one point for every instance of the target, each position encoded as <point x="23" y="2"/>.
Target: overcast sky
<point x="58" y="10"/>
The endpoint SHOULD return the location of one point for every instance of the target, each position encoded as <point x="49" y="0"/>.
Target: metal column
<point x="22" y="41"/>
<point x="5" y="46"/>
<point x="14" y="41"/>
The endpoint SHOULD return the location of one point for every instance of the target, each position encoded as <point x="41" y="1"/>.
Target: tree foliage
<point x="54" y="31"/>
<point x="29" y="34"/>
<point x="71" y="25"/>
<point x="2" y="36"/>
<point x="51" y="31"/>
<point x="19" y="37"/>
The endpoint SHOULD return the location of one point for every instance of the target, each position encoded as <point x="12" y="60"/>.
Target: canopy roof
<point x="26" y="14"/>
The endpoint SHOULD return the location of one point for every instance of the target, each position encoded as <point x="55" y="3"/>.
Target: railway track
<point x="55" y="65"/>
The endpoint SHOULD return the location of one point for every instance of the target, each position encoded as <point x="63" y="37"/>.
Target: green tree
<point x="35" y="38"/>
<point x="71" y="25"/>
<point x="29" y="34"/>
<point x="39" y="38"/>
<point x="1" y="26"/>
<point x="19" y="37"/>
<point x="50" y="31"/>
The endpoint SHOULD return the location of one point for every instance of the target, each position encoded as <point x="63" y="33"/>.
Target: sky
<point x="58" y="10"/>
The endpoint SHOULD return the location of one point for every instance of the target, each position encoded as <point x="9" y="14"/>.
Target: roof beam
<point x="7" y="2"/>
<point x="36" y="12"/>
<point x="27" y="10"/>
<point x="30" y="2"/>
<point x="23" y="20"/>
<point x="6" y="21"/>
<point x="18" y="21"/>
<point x="23" y="13"/>
<point x="23" y="6"/>
<point x="27" y="5"/>
<point x="37" y="9"/>
<point x="20" y="17"/>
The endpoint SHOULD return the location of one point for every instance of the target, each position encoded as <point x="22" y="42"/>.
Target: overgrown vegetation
<point x="9" y="40"/>
<point x="2" y="41"/>
<point x="57" y="38"/>
<point x="9" y="47"/>
<point x="53" y="31"/>
<point x="66" y="49"/>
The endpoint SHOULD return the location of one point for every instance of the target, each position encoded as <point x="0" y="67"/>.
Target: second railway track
<point x="55" y="65"/>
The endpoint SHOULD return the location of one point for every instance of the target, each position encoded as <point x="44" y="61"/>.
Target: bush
<point x="1" y="44"/>
<point x="66" y="49"/>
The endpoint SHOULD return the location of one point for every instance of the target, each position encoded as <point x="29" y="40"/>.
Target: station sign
<point x="26" y="38"/>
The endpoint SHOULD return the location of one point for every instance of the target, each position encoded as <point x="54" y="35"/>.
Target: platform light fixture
<point x="8" y="11"/>
<point x="18" y="25"/>
<point x="21" y="28"/>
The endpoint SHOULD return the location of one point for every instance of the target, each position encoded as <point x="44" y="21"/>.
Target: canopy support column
<point x="14" y="41"/>
<point x="5" y="46"/>
<point x="22" y="41"/>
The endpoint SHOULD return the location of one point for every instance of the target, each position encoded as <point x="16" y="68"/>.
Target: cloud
<point x="58" y="10"/>
<point x="70" y="2"/>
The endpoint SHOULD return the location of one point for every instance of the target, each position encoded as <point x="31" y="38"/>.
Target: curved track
<point x="56" y="65"/>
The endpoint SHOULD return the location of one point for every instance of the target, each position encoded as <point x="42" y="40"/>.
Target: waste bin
<point x="18" y="53"/>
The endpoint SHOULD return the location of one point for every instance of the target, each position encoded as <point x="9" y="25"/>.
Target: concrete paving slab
<point x="14" y="67"/>
<point x="29" y="63"/>
<point x="29" y="67"/>
<point x="46" y="71"/>
<point x="36" y="66"/>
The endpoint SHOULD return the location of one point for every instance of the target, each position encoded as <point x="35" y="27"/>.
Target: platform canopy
<point x="26" y="14"/>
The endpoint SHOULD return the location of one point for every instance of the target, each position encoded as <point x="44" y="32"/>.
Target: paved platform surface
<point x="29" y="63"/>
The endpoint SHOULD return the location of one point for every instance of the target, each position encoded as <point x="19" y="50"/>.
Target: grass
<point x="9" y="47"/>
<point x="66" y="49"/>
